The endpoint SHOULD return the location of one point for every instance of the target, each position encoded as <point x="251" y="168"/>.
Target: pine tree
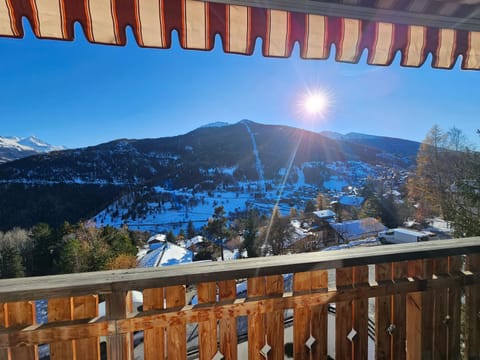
<point x="190" y="230"/>
<point x="217" y="227"/>
<point x="10" y="262"/>
<point x="250" y="233"/>
<point x="277" y="233"/>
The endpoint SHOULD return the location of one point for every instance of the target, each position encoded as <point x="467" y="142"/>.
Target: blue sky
<point x="77" y="94"/>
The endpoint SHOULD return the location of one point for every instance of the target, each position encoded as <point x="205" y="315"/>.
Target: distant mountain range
<point x="51" y="185"/>
<point x="14" y="148"/>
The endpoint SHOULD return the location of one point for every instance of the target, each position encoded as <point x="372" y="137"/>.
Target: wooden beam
<point x="274" y="320"/>
<point x="78" y="329"/>
<point x="176" y="331"/>
<point x="105" y="282"/>
<point x="256" y="320"/>
<point x="302" y="283"/>
<point x="472" y="312"/>
<point x="86" y="307"/>
<point x="154" y="339"/>
<point x="336" y="9"/>
<point x="319" y="320"/>
<point x="207" y="330"/>
<point x="227" y="291"/>
<point x="119" y="345"/>
<point x="60" y="310"/>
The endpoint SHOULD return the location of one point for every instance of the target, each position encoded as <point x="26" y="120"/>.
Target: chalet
<point x="357" y="229"/>
<point x="156" y="241"/>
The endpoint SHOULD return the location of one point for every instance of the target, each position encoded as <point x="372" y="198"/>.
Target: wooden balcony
<point x="426" y="305"/>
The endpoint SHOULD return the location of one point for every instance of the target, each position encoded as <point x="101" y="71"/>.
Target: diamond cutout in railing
<point x="218" y="356"/>
<point x="310" y="341"/>
<point x="351" y="335"/>
<point x="265" y="350"/>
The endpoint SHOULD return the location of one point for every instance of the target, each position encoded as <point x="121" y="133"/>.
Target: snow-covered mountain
<point x="181" y="178"/>
<point x="13" y="148"/>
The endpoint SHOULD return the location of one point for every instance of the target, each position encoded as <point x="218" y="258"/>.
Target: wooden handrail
<point x="106" y="282"/>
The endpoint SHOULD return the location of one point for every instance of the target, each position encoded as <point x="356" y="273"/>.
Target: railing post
<point x="447" y="311"/>
<point x="472" y="311"/>
<point x="420" y="314"/>
<point x="384" y="318"/>
<point x="343" y="316"/>
<point x="86" y="307"/>
<point x="21" y="314"/>
<point x="302" y="282"/>
<point x="154" y="339"/>
<point x="275" y="320"/>
<point x="61" y="310"/>
<point x="256" y="321"/>
<point x="119" y="346"/>
<point x="176" y="333"/>
<point x="3" y="325"/>
<point x="399" y="344"/>
<point x="207" y="330"/>
<point x="319" y="321"/>
<point x="228" y="326"/>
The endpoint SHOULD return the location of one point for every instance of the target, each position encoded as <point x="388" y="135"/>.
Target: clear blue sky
<point x="77" y="94"/>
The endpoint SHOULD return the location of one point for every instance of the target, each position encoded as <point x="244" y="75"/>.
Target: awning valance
<point x="415" y="28"/>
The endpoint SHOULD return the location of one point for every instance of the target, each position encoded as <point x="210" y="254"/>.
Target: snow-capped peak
<point x="35" y="144"/>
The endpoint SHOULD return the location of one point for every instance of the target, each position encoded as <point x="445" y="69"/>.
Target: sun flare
<point x="316" y="103"/>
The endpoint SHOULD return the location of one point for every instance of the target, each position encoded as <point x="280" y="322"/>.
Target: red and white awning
<point x="415" y="28"/>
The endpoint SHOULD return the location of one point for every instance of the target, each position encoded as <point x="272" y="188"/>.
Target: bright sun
<point x="316" y="103"/>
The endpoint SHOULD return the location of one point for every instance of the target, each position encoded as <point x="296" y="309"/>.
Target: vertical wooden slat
<point x="256" y="322"/>
<point x="21" y="314"/>
<point x="207" y="330"/>
<point x="61" y="310"/>
<point x="360" y="315"/>
<point x="343" y="317"/>
<point x="119" y="346"/>
<point x="472" y="311"/>
<point x="420" y="314"/>
<point x="228" y="327"/>
<point x="383" y="314"/>
<point x="399" y="333"/>
<point x="275" y="319"/>
<point x="302" y="282"/>
<point x="319" y="318"/>
<point x="177" y="333"/>
<point x="454" y="310"/>
<point x="86" y="307"/>
<point x="440" y="312"/>
<point x="154" y="339"/>
<point x="3" y="325"/>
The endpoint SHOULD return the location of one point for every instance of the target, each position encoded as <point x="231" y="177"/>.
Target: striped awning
<point x="446" y="29"/>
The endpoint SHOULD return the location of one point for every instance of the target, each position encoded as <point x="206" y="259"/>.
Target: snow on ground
<point x="165" y="255"/>
<point x="258" y="162"/>
<point x="352" y="200"/>
<point x="335" y="184"/>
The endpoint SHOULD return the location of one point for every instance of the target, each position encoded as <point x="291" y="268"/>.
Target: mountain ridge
<point x="14" y="148"/>
<point x="246" y="158"/>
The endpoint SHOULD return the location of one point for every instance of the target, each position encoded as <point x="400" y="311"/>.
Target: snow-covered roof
<point x="324" y="214"/>
<point x="357" y="229"/>
<point x="157" y="238"/>
<point x="165" y="255"/>
<point x="194" y="241"/>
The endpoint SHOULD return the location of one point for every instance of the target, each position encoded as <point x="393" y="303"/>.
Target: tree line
<point x="44" y="250"/>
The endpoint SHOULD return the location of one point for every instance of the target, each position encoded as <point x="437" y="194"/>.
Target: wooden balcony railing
<point x="426" y="306"/>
